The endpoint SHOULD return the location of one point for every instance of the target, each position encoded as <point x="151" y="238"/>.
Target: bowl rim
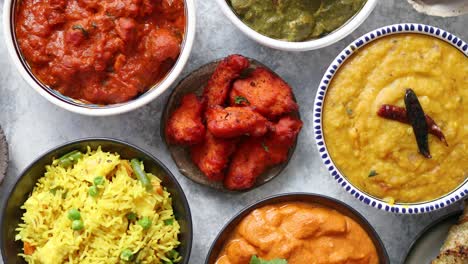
<point x="427" y="228"/>
<point x="265" y="201"/>
<point x="185" y="202"/>
<point x="347" y="28"/>
<point x="400" y="208"/>
<point x="89" y="109"/>
<point x="166" y="115"/>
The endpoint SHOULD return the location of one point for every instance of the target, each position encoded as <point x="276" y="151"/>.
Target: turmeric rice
<point x="93" y="208"/>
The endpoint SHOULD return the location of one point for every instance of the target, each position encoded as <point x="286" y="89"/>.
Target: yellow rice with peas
<point x="94" y="208"/>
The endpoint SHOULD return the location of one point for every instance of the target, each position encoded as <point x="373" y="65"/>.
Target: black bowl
<point x="11" y="212"/>
<point x="195" y="82"/>
<point x="326" y="201"/>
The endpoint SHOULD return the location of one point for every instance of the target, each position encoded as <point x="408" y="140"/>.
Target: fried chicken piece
<point x="248" y="162"/>
<point x="282" y="138"/>
<point x="266" y="92"/>
<point x="255" y="155"/>
<point x="212" y="156"/>
<point x="217" y="89"/>
<point x="185" y="125"/>
<point x="235" y="121"/>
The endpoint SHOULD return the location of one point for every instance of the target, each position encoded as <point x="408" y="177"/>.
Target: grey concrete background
<point x="33" y="125"/>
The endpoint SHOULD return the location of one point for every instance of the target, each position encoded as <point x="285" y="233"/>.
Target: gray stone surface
<point x="33" y="125"/>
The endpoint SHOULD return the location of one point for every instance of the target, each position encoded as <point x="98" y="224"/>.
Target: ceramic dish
<point x="328" y="202"/>
<point x="17" y="195"/>
<point x="195" y="82"/>
<point x="405" y="208"/>
<point x="427" y="244"/>
<point x="3" y="155"/>
<point x="79" y="107"/>
<point x="325" y="41"/>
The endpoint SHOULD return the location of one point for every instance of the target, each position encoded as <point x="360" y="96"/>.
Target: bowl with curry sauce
<point x="297" y="25"/>
<point x="390" y="118"/>
<point x="298" y="228"/>
<point x="99" y="57"/>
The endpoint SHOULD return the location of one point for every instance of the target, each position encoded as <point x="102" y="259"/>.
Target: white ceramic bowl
<point x="92" y="109"/>
<point x="325" y="41"/>
<point x="460" y="192"/>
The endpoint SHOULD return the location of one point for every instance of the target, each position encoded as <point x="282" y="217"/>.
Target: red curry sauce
<point x="100" y="51"/>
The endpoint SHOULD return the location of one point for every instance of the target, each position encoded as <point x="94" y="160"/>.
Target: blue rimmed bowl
<point x="402" y="208"/>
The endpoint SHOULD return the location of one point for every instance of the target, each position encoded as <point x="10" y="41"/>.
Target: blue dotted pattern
<point x="318" y="134"/>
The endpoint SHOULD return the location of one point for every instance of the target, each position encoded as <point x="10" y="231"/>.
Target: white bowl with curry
<point x="390" y="120"/>
<point x="297" y="25"/>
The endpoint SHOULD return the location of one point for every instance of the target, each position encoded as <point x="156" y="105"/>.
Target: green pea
<point x="131" y="216"/>
<point x="93" y="191"/>
<point x="145" y="222"/>
<point x="99" y="180"/>
<point x="126" y="255"/>
<point x="77" y="225"/>
<point x="74" y="214"/>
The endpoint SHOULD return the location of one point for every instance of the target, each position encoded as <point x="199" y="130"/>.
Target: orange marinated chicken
<point x="185" y="125"/>
<point x="266" y="92"/>
<point x="217" y="89"/>
<point x="232" y="122"/>
<point x="255" y="155"/>
<point x="282" y="138"/>
<point x="248" y="162"/>
<point x="299" y="233"/>
<point x="212" y="156"/>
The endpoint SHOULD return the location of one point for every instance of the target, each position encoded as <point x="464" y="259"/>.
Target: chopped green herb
<point x="74" y="214"/>
<point x="265" y="147"/>
<point x="373" y="173"/>
<point x="145" y="222"/>
<point x="131" y="216"/>
<point x="349" y="111"/>
<point x="169" y="221"/>
<point x="83" y="30"/>
<point x="257" y="260"/>
<point x="54" y="190"/>
<point x="126" y="255"/>
<point x="240" y="99"/>
<point x="173" y="254"/>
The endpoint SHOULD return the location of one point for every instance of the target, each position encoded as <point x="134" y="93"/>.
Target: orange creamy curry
<point x="300" y="233"/>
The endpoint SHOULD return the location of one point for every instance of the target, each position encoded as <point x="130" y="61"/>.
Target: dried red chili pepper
<point x="399" y="114"/>
<point x="417" y="119"/>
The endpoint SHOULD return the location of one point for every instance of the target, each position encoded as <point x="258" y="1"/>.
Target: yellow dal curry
<point x="380" y="156"/>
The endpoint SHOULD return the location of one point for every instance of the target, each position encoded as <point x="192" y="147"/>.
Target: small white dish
<point x="312" y="44"/>
<point x="79" y="107"/>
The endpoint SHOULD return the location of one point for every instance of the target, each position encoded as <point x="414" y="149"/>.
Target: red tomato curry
<point x="100" y="51"/>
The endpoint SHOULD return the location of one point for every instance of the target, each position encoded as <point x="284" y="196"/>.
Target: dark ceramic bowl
<point x="17" y="195"/>
<point x="326" y="201"/>
<point x="195" y="82"/>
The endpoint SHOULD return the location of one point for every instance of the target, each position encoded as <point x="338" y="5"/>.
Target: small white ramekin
<point x="325" y="41"/>
<point x="92" y="109"/>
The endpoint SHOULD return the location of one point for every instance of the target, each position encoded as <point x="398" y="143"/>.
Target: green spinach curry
<point x="295" y="20"/>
